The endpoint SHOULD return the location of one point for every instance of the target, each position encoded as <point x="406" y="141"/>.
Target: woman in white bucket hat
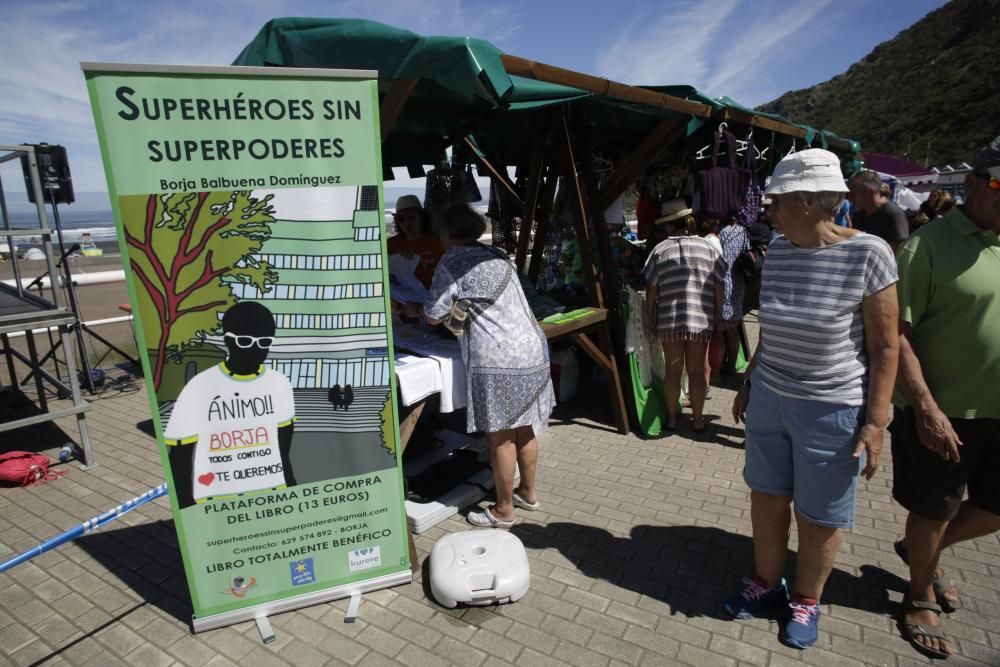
<point x="822" y="378"/>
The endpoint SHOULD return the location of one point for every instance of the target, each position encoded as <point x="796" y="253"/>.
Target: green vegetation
<point x="931" y="92"/>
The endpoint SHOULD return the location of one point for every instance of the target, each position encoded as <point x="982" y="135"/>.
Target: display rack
<point x="25" y="312"/>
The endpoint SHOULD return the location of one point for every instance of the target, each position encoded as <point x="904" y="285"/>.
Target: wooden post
<point x="580" y="220"/>
<point x="613" y="332"/>
<point x="531" y="205"/>
<point x="547" y="198"/>
<point x="395" y="99"/>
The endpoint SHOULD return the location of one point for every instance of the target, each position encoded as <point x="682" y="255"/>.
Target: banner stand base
<point x="265" y="629"/>
<point x="352" y="608"/>
<point x="299" y="601"/>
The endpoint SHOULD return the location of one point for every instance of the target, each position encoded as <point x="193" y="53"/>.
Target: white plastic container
<point x="479" y="567"/>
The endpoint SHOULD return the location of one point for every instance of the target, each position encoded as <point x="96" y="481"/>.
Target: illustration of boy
<point x="230" y="430"/>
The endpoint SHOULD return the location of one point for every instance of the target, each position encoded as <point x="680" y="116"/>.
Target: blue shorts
<point x="804" y="449"/>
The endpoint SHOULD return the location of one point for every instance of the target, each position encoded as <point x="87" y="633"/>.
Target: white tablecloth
<point x="427" y="363"/>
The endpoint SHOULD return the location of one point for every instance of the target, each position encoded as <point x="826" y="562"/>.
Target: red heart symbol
<point x="207" y="478"/>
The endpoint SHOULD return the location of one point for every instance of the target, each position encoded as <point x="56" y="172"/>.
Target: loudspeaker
<point x="53" y="171"/>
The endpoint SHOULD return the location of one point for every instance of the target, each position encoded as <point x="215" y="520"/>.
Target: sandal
<point x="524" y="504"/>
<point x="947" y="597"/>
<point x="911" y="631"/>
<point x="485" y="519"/>
<point x="696" y="421"/>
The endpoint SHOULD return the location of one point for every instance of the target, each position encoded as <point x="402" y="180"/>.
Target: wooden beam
<point x="654" y="143"/>
<point x="544" y="214"/>
<point x="500" y="175"/>
<point x="582" y="227"/>
<point x="392" y="105"/>
<point x="566" y="77"/>
<point x="528" y="214"/>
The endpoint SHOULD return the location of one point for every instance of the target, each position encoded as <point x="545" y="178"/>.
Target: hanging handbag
<point x="722" y="188"/>
<point x="750" y="209"/>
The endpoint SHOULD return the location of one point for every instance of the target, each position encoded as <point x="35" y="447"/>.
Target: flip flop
<point x="949" y="603"/>
<point x="485" y="519"/>
<point x="911" y="631"/>
<point x="524" y="504"/>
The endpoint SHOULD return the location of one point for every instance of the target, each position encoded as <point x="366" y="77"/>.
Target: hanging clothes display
<point x="750" y="209"/>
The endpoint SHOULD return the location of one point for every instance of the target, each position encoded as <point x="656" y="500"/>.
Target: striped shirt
<point x="811" y="326"/>
<point x="682" y="272"/>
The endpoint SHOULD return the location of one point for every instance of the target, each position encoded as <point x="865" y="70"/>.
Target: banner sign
<point x="249" y="211"/>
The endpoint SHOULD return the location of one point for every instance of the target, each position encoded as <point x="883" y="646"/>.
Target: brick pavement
<point x="637" y="543"/>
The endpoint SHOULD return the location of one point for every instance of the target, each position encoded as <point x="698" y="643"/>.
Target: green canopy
<point x="463" y="88"/>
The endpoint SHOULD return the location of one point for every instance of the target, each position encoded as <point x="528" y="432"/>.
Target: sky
<point x="751" y="50"/>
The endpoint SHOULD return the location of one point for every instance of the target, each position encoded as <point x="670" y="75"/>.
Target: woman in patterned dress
<point x="683" y="293"/>
<point x="506" y="358"/>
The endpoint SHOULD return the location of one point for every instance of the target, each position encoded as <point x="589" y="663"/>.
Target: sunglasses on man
<point x="246" y="342"/>
<point x="992" y="182"/>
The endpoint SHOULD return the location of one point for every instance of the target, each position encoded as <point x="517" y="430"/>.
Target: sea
<point x="91" y="215"/>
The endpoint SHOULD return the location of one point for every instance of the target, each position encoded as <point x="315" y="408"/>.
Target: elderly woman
<point x="816" y="395"/>
<point x="683" y="294"/>
<point x="476" y="292"/>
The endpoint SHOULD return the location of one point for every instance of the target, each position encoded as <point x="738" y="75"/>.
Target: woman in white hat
<point x="683" y="294"/>
<point x="822" y="378"/>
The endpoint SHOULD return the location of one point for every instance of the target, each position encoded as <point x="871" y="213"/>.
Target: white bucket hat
<point x="673" y="209"/>
<point x="811" y="170"/>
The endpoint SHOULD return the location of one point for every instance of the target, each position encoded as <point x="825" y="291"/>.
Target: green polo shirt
<point x="949" y="292"/>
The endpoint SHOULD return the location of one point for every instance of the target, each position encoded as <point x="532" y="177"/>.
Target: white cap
<point x="406" y="202"/>
<point x="811" y="170"/>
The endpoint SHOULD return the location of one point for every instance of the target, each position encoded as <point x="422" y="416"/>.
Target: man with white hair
<point x="946" y="428"/>
<point x="874" y="213"/>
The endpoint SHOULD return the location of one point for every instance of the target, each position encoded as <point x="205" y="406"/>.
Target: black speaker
<point x="53" y="170"/>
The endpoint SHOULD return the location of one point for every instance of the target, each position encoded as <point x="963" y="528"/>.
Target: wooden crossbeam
<point x="499" y="174"/>
<point x="551" y="74"/>
<point x="638" y="161"/>
<point x="528" y="214"/>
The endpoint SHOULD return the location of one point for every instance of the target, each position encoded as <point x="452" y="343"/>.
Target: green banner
<point x="249" y="210"/>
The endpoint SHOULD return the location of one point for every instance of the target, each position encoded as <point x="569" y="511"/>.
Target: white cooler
<point x="478" y="567"/>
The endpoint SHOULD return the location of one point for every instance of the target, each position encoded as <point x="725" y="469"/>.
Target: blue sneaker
<point x="802" y="628"/>
<point x="755" y="598"/>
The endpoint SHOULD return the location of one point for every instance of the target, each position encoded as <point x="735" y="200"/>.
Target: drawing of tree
<point x="186" y="251"/>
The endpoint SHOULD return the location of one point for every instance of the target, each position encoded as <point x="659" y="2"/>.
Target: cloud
<point x="726" y="48"/>
<point x="773" y="32"/>
<point x="43" y="96"/>
<point x="672" y="46"/>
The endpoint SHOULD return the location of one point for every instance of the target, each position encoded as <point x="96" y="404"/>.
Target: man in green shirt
<point x="946" y="429"/>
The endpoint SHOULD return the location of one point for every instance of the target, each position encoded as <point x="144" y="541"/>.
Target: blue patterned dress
<point x="505" y="352"/>
<point x="734" y="241"/>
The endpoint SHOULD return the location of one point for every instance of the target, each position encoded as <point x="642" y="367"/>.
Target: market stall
<point x="575" y="143"/>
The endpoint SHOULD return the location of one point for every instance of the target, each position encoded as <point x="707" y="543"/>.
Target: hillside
<point x="935" y="87"/>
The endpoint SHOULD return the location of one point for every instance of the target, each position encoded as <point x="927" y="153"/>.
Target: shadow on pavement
<point x="145" y="558"/>
<point x="691" y="568"/>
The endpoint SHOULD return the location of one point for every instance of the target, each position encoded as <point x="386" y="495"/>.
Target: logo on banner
<point x="363" y="559"/>
<point x="302" y="572"/>
<point x="239" y="586"/>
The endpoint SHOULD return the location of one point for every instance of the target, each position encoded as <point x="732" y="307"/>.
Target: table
<point x="595" y="320"/>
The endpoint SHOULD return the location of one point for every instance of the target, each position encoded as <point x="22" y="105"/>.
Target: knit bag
<point x="722" y="188"/>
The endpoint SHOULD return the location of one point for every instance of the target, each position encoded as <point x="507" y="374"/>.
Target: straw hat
<point x="673" y="209"/>
<point x="407" y="201"/>
<point x="811" y="170"/>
